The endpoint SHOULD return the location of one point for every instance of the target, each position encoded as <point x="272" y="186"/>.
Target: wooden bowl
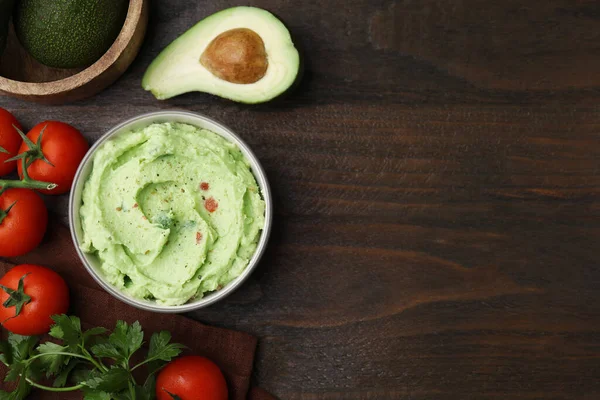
<point x="23" y="77"/>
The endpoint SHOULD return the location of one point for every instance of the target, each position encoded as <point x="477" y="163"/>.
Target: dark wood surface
<point x="437" y="184"/>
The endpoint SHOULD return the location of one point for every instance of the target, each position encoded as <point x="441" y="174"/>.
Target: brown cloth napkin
<point x="232" y="351"/>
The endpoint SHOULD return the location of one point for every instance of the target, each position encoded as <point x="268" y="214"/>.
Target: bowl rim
<point x="133" y="18"/>
<point x="257" y="171"/>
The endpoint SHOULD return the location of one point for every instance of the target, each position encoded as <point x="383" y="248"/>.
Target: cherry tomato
<point x="43" y="294"/>
<point x="64" y="147"/>
<point x="9" y="141"/>
<point x="191" y="378"/>
<point x="23" y="226"/>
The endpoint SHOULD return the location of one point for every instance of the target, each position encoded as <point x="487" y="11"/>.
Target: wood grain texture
<point x="23" y="77"/>
<point x="437" y="186"/>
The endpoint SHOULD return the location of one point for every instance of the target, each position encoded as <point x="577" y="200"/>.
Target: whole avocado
<point x="68" y="33"/>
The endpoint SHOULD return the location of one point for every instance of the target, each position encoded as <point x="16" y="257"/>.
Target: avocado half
<point x="244" y="54"/>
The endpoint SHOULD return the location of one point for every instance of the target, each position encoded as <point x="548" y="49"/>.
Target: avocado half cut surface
<point x="244" y="54"/>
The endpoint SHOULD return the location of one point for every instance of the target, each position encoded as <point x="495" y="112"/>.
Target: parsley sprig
<point x="95" y="361"/>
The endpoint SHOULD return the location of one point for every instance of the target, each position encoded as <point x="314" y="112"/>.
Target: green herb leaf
<point x="108" y="350"/>
<point x="3" y="150"/>
<point x="119" y="337"/>
<point x="126" y="339"/>
<point x="17" y="350"/>
<point x="35" y="372"/>
<point x="21" y="346"/>
<point x="63" y="376"/>
<point x="15" y="370"/>
<point x="114" y="380"/>
<point x="161" y="349"/>
<point x="93" y="332"/>
<point x="125" y="395"/>
<point x="68" y="329"/>
<point x="135" y="337"/>
<point x="148" y="391"/>
<point x="81" y="374"/>
<point x="95" y="395"/>
<point x="52" y="363"/>
<point x="5" y="352"/>
<point x="98" y="383"/>
<point x="20" y="393"/>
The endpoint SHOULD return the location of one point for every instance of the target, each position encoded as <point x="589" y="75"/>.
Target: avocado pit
<point x="236" y="56"/>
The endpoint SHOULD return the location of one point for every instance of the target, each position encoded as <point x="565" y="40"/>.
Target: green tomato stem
<point x="25" y="164"/>
<point x="16" y="298"/>
<point x="4" y="213"/>
<point x="26" y="184"/>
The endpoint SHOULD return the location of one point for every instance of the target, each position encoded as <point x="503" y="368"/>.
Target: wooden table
<point x="437" y="185"/>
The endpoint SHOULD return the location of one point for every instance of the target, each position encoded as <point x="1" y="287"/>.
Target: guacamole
<point x="172" y="212"/>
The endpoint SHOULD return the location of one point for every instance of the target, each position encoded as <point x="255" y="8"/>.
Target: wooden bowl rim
<point x="134" y="14"/>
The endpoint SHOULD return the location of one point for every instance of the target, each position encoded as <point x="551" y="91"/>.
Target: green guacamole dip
<point x="172" y="211"/>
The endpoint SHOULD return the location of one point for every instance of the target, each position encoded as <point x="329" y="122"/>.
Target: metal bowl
<point x="92" y="263"/>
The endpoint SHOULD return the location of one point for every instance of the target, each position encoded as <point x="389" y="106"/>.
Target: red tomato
<point x="46" y="293"/>
<point x="64" y="147"/>
<point x="23" y="227"/>
<point x="9" y="141"/>
<point x="191" y="378"/>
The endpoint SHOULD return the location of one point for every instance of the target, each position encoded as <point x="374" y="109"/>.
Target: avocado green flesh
<point x="145" y="216"/>
<point x="6" y="7"/>
<point x="177" y="69"/>
<point x="69" y="33"/>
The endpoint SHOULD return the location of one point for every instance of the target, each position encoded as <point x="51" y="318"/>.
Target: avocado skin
<point x="69" y="33"/>
<point x="5" y="12"/>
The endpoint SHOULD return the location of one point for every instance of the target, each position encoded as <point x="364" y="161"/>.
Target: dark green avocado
<point x="69" y="33"/>
<point x="5" y="13"/>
